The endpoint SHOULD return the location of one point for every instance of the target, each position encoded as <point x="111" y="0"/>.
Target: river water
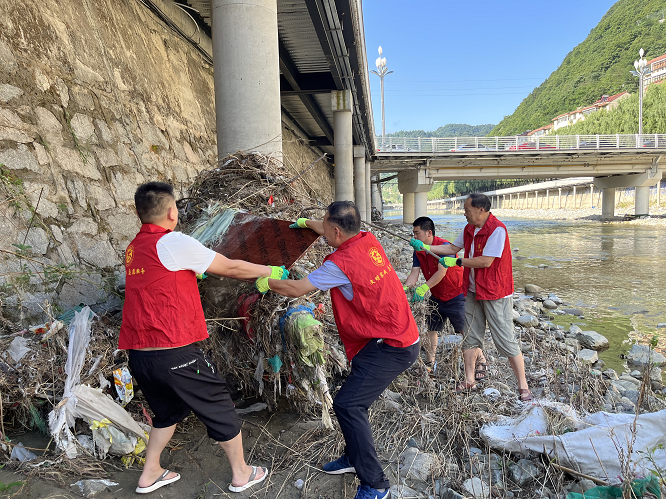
<point x="614" y="272"/>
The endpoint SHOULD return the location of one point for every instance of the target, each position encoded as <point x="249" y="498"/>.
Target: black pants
<point x="372" y="370"/>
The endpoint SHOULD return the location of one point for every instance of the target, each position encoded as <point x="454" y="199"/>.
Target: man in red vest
<point x="375" y="325"/>
<point x="445" y="286"/>
<point x="162" y="319"/>
<point x="488" y="284"/>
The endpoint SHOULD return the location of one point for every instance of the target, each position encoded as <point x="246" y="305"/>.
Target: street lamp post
<point x="641" y="70"/>
<point x="381" y="72"/>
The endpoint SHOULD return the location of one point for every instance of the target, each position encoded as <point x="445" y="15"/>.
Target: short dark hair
<point x="345" y="215"/>
<point x="425" y="223"/>
<point x="151" y="200"/>
<point x="480" y="201"/>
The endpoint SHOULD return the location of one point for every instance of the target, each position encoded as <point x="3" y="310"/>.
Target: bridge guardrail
<point x="543" y="143"/>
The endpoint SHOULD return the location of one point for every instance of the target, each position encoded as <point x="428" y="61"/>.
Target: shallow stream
<point x="614" y="272"/>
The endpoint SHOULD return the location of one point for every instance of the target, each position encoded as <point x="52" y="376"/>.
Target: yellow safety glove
<point x="299" y="224"/>
<point x="419" y="245"/>
<point x="280" y="273"/>
<point x="450" y="261"/>
<point x="420" y="292"/>
<point x="406" y="290"/>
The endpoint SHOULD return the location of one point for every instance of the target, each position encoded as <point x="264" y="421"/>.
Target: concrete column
<point x="343" y="145"/>
<point x="547" y="200"/>
<point x="574" y="196"/>
<point x="658" y="194"/>
<point x="608" y="202"/>
<point x="368" y="193"/>
<point x="591" y="195"/>
<point x="376" y="197"/>
<point x="420" y="204"/>
<point x="559" y="197"/>
<point x="246" y="68"/>
<point x="503" y="200"/>
<point x="536" y="200"/>
<point x="510" y="201"/>
<point x="359" y="179"/>
<point x="408" y="207"/>
<point x="642" y="201"/>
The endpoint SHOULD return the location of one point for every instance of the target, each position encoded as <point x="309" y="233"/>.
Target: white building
<point x="658" y="68"/>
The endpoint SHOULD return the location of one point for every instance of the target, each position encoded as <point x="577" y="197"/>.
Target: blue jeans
<point x="372" y="370"/>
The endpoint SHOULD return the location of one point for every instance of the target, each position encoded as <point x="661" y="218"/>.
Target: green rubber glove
<point x="420" y="292"/>
<point x="201" y="276"/>
<point x="280" y="273"/>
<point x="406" y="290"/>
<point x="299" y="224"/>
<point x="449" y="261"/>
<point x="418" y="245"/>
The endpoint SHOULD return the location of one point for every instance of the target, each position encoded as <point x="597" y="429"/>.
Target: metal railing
<point x="543" y="143"/>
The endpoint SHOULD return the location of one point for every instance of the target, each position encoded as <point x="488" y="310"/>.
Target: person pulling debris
<point x="375" y="325"/>
<point x="488" y="288"/>
<point x="162" y="319"/>
<point x="444" y="284"/>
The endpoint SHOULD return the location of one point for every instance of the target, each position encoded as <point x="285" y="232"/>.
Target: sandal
<point x="525" y="395"/>
<point x="465" y="388"/>
<point x="481" y="372"/>
<point x="253" y="480"/>
<point x="160" y="482"/>
<point x="431" y="366"/>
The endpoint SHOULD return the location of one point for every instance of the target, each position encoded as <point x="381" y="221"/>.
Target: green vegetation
<point x="597" y="66"/>
<point x="450" y="130"/>
<point x="453" y="188"/>
<point x="624" y="119"/>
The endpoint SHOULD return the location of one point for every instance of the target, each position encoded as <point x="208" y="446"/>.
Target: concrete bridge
<point x="614" y="161"/>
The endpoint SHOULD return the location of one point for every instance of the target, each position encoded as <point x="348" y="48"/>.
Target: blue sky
<point x="468" y="62"/>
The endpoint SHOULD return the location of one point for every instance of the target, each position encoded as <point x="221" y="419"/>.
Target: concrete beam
<point x="639" y="180"/>
<point x="414" y="181"/>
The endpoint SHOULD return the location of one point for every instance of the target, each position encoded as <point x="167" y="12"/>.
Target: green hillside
<point x="624" y="119"/>
<point x="450" y="130"/>
<point x="597" y="66"/>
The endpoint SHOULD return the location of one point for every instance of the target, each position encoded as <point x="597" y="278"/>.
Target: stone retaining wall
<point x="95" y="98"/>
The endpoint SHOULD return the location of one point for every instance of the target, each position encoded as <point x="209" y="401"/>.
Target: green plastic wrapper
<point x="640" y="488"/>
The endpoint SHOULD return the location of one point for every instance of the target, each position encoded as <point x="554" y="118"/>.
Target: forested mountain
<point x="597" y="66"/>
<point x="450" y="130"/>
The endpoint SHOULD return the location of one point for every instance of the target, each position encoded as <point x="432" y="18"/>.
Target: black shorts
<point x="453" y="309"/>
<point x="181" y="380"/>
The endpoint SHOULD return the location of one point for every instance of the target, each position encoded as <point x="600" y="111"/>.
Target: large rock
<point x="477" y="488"/>
<point x="524" y="472"/>
<point x="639" y="356"/>
<point x="403" y="492"/>
<point x="418" y="465"/>
<point x="20" y="159"/>
<point x="549" y="304"/>
<point x="592" y="340"/>
<point x="572" y="311"/>
<point x="527" y="320"/>
<point x="9" y="92"/>
<point x="532" y="288"/>
<point x="588" y="356"/>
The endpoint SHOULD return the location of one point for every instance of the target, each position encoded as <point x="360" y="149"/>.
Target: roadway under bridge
<point x="614" y="161"/>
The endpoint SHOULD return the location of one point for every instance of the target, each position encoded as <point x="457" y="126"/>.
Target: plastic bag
<point x="123" y="381"/>
<point x="638" y="487"/>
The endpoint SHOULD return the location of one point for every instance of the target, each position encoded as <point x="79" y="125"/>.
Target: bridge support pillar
<point x="420" y="204"/>
<point x="343" y="144"/>
<point x="408" y="207"/>
<point x="376" y="197"/>
<point x="608" y="202"/>
<point x="368" y="193"/>
<point x="642" y="201"/>
<point x="414" y="185"/>
<point x="246" y="77"/>
<point x="641" y="181"/>
<point x="359" y="179"/>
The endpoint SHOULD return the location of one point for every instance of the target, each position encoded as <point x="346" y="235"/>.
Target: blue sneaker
<point x="367" y="492"/>
<point x="339" y="466"/>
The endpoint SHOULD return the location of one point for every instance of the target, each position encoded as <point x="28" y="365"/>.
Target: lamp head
<point x="641" y="52"/>
<point x="380" y="50"/>
<point x="636" y="65"/>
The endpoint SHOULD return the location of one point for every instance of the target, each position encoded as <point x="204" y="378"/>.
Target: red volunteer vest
<point x="162" y="308"/>
<point x="379" y="308"/>
<point x="452" y="283"/>
<point x="496" y="281"/>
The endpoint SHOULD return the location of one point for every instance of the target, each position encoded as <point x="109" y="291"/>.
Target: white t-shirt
<point x="494" y="247"/>
<point x="178" y="251"/>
